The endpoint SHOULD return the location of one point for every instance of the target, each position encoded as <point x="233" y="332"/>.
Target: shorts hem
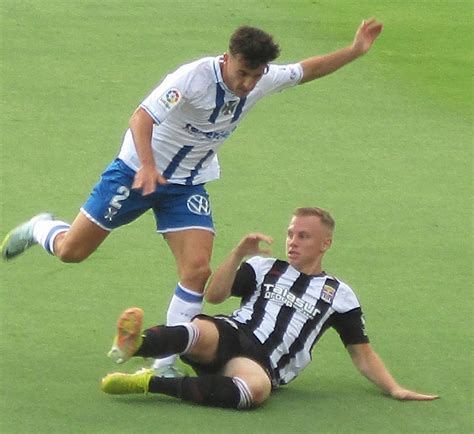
<point x="93" y="220"/>
<point x="185" y="228"/>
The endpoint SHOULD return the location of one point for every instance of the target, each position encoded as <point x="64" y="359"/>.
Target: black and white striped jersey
<point x="288" y="311"/>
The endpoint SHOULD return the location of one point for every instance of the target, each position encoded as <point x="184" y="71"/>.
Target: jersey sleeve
<point x="350" y="326"/>
<point x="165" y="98"/>
<point x="245" y="281"/>
<point x="280" y="77"/>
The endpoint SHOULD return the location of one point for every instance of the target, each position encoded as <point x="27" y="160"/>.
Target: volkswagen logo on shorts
<point x="198" y="204"/>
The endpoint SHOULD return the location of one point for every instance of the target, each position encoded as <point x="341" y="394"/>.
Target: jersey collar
<point x="218" y="73"/>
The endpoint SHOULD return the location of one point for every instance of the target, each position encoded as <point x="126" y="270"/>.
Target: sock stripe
<point x="187" y="295"/>
<point x="246" y="398"/>
<point x="52" y="235"/>
<point x="193" y="336"/>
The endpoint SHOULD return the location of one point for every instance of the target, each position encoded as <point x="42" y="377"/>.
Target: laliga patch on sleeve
<point x="170" y="99"/>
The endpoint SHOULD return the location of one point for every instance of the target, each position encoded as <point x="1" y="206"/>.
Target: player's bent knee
<point x="253" y="391"/>
<point x="197" y="271"/>
<point x="260" y="392"/>
<point x="71" y="254"/>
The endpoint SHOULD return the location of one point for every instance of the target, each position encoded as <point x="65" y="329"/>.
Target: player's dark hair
<point x="326" y="218"/>
<point x="254" y="45"/>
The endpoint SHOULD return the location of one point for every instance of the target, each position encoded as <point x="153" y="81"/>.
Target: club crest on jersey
<point x="170" y="98"/>
<point x="198" y="204"/>
<point x="327" y="294"/>
<point x="229" y="107"/>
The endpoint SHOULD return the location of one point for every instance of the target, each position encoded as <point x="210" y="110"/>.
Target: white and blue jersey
<point x="194" y="113"/>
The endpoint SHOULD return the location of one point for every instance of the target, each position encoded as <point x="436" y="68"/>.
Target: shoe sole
<point x="129" y="326"/>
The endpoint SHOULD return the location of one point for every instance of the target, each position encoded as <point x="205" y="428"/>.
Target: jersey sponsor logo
<point x="199" y="205"/>
<point x="327" y="294"/>
<point x="282" y="295"/>
<point x="170" y="98"/>
<point x="209" y="135"/>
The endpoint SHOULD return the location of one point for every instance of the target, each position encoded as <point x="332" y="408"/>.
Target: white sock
<point x="45" y="232"/>
<point x="184" y="305"/>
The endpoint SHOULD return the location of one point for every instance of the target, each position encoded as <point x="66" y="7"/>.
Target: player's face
<point x="239" y="78"/>
<point x="306" y="242"/>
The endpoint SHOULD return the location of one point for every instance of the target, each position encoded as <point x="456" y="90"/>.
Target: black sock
<point x="211" y="390"/>
<point x="162" y="341"/>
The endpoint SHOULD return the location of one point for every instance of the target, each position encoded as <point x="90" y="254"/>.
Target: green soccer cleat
<point x="118" y="383"/>
<point x="21" y="238"/>
<point x="128" y="339"/>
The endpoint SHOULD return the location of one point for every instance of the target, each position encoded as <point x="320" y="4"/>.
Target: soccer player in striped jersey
<point x="169" y="153"/>
<point x="286" y="307"/>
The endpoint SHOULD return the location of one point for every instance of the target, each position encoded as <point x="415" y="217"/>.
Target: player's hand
<point x="409" y="395"/>
<point x="366" y="34"/>
<point x="146" y="179"/>
<point x="250" y="245"/>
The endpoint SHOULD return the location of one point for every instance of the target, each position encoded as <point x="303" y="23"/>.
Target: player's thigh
<point x="205" y="349"/>
<point x="81" y="239"/>
<point x="253" y="374"/>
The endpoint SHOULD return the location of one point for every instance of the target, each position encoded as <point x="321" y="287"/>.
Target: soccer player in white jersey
<point x="169" y="153"/>
<point x="286" y="307"/>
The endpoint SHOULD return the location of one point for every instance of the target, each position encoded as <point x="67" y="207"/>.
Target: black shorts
<point x="234" y="341"/>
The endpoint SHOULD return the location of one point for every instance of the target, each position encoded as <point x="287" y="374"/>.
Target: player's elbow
<point x="213" y="297"/>
<point x="140" y="118"/>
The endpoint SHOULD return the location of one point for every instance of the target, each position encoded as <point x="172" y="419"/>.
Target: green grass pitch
<point x="385" y="145"/>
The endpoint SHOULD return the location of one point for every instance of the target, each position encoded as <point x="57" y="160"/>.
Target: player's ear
<point x="327" y="243"/>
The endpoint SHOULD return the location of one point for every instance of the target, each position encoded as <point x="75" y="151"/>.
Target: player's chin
<point x="292" y="259"/>
<point x="242" y="93"/>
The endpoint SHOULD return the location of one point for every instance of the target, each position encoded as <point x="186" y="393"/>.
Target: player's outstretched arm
<point x="371" y="366"/>
<point x="319" y="66"/>
<point x="220" y="284"/>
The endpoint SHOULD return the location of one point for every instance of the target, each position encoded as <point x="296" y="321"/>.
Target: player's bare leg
<point x="79" y="241"/>
<point x="192" y="249"/>
<point x="254" y="379"/>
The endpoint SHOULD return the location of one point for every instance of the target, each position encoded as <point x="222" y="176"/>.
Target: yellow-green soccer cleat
<point x="21" y="238"/>
<point x="128" y="339"/>
<point x="118" y="383"/>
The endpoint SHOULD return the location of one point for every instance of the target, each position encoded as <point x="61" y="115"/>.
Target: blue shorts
<point x="113" y="203"/>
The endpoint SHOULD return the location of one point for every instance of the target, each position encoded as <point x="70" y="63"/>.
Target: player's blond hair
<point x="313" y="211"/>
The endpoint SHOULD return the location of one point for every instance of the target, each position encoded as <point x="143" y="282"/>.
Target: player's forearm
<point x="372" y="367"/>
<point x="319" y="66"/>
<point x="141" y="125"/>
<point x="220" y="285"/>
